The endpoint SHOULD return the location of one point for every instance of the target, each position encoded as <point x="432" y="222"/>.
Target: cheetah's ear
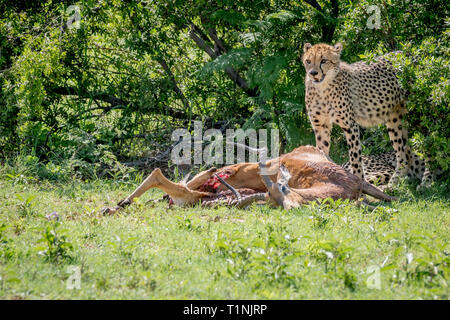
<point x="338" y="47"/>
<point x="306" y="47"/>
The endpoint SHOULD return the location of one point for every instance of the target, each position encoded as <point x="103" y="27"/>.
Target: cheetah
<point x="353" y="95"/>
<point x="379" y="168"/>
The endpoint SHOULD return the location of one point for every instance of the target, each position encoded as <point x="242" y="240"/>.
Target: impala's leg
<point x="327" y="190"/>
<point x="151" y="181"/>
<point x="200" y="178"/>
<point x="157" y="180"/>
<point x="179" y="193"/>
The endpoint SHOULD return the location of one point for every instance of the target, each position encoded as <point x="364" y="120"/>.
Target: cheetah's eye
<point x="323" y="61"/>
<point x="308" y="61"/>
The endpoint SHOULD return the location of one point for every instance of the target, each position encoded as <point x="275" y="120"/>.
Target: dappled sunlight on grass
<point x="325" y="250"/>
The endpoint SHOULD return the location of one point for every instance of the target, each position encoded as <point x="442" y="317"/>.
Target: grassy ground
<point x="326" y="251"/>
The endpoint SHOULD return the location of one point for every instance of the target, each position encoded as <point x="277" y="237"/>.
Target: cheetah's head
<point x="321" y="61"/>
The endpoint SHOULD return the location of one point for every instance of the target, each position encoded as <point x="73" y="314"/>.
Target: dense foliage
<point x="82" y="96"/>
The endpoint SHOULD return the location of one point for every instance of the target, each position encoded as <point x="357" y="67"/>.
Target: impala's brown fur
<point x="312" y="175"/>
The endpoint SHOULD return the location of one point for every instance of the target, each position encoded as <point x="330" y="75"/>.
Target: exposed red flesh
<point x="213" y="183"/>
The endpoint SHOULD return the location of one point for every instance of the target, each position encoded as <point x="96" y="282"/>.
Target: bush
<point x="82" y="100"/>
<point x="425" y="74"/>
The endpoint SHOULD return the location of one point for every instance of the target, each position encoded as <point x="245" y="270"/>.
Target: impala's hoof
<point x="124" y="203"/>
<point x="104" y="211"/>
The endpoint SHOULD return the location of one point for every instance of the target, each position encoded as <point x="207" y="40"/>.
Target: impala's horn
<point x="235" y="192"/>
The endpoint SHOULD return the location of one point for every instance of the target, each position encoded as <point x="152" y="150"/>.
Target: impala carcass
<point x="291" y="180"/>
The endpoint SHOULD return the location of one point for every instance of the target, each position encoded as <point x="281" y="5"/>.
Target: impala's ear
<point x="338" y="47"/>
<point x="306" y="47"/>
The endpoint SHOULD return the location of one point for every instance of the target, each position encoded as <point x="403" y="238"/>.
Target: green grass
<point x="151" y="252"/>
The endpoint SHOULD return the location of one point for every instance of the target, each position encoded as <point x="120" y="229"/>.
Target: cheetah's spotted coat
<point x="379" y="168"/>
<point x="353" y="95"/>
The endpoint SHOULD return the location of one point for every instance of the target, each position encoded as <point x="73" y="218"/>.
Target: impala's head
<point x="279" y="192"/>
<point x="321" y="61"/>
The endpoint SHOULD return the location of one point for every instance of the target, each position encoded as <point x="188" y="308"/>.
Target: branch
<point x="232" y="74"/>
<point x="112" y="100"/>
<point x="161" y="157"/>
<point x="201" y="43"/>
<point x="314" y="4"/>
<point x="9" y="67"/>
<point x="329" y="27"/>
<point x="335" y="10"/>
<point x="219" y="47"/>
<point x="199" y="31"/>
<point x="175" y="87"/>
<point x="71" y="91"/>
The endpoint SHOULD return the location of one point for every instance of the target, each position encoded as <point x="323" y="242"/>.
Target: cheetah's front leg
<point x="322" y="131"/>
